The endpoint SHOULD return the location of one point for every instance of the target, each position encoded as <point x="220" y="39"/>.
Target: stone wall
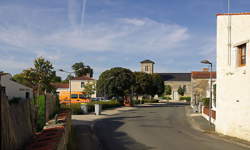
<point x="16" y="123"/>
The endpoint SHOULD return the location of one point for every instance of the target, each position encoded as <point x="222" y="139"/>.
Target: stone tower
<point x="147" y="66"/>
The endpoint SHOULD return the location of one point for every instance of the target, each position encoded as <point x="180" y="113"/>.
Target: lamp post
<point x="69" y="84"/>
<point x="210" y="100"/>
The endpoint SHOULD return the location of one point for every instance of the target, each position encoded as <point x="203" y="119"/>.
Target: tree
<point x="40" y="77"/>
<point x="168" y="90"/>
<point x="116" y="82"/>
<point x="181" y="90"/>
<point x="143" y="84"/>
<point x="80" y="69"/>
<point x="157" y="87"/>
<point x="89" y="89"/>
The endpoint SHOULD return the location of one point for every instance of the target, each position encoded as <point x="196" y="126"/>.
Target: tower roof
<point x="147" y="61"/>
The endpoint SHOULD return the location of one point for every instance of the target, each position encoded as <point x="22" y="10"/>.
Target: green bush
<point x="187" y="98"/>
<point x="41" y="112"/>
<point x="150" y="101"/>
<point x="206" y="102"/>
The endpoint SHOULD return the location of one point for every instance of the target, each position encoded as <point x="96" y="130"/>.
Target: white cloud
<point x="108" y="36"/>
<point x="134" y="21"/>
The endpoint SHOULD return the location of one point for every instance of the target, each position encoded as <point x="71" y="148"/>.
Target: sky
<point x="175" y="34"/>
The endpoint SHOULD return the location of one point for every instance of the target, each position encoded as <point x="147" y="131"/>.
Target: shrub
<point x="41" y="112"/>
<point x="166" y="97"/>
<point x="206" y="102"/>
<point x="76" y="108"/>
<point x="187" y="98"/>
<point x="150" y="101"/>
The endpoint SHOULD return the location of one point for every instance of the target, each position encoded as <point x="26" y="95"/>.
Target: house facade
<point x="200" y="82"/>
<point x="175" y="81"/>
<point x="14" y="89"/>
<point x="76" y="84"/>
<point x="233" y="75"/>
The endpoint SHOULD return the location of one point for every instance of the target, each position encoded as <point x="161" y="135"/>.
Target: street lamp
<point x="210" y="100"/>
<point x="69" y="84"/>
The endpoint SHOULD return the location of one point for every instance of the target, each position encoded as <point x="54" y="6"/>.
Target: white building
<point x="14" y="89"/>
<point x="233" y="75"/>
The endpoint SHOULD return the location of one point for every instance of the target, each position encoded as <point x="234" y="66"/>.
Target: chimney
<point x="205" y="69"/>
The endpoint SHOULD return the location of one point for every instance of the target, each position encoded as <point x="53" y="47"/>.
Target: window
<point x="242" y="54"/>
<point x="74" y="95"/>
<point x="146" y="68"/>
<point x="82" y="84"/>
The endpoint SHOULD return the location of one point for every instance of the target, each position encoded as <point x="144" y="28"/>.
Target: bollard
<point x="84" y="108"/>
<point x="98" y="109"/>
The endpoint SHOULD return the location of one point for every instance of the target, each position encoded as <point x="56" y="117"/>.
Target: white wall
<point x="233" y="82"/>
<point x="14" y="89"/>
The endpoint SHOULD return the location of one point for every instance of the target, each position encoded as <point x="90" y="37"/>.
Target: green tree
<point x="168" y="90"/>
<point x="181" y="90"/>
<point x="157" y="87"/>
<point x="80" y="69"/>
<point x="116" y="82"/>
<point x="40" y="77"/>
<point x="89" y="89"/>
<point x="143" y="84"/>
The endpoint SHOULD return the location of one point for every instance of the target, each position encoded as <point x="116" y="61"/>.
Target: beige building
<point x="176" y="80"/>
<point x="147" y="66"/>
<point x="233" y="75"/>
<point x="76" y="84"/>
<point x="200" y="82"/>
<point x="14" y="89"/>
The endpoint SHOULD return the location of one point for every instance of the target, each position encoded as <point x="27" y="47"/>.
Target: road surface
<point x="161" y="127"/>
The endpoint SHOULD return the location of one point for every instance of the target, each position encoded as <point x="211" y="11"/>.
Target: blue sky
<point x="176" y="34"/>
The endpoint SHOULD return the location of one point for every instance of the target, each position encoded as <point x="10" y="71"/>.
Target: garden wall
<point x="16" y="124"/>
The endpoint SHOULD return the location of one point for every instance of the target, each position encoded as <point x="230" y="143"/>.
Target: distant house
<point x="200" y="82"/>
<point x="233" y="75"/>
<point x="14" y="89"/>
<point x="77" y="84"/>
<point x="176" y="80"/>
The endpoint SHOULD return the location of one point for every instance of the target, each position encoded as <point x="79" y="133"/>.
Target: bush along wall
<point x="41" y="112"/>
<point x="76" y="108"/>
<point x="187" y="98"/>
<point x="206" y="102"/>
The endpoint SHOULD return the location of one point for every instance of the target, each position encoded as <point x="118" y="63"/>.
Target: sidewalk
<point x="201" y="124"/>
<point x="198" y="122"/>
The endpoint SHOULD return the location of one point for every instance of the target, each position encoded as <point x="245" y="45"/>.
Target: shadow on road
<point x="111" y="138"/>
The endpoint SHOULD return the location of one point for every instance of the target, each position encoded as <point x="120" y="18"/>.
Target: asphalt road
<point x="162" y="127"/>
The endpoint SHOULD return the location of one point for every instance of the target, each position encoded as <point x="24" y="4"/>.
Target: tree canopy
<point x="143" y="83"/>
<point x="181" y="90"/>
<point x="80" y="69"/>
<point x="39" y="77"/>
<point x="168" y="90"/>
<point x="89" y="89"/>
<point x="157" y="85"/>
<point x="115" y="82"/>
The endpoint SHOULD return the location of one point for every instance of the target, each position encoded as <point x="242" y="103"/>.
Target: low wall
<point x="205" y="114"/>
<point x="55" y="136"/>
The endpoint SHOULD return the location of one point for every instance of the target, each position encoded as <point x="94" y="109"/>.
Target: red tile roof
<point x="61" y="85"/>
<point x="82" y="78"/>
<point x="226" y="14"/>
<point x="202" y="75"/>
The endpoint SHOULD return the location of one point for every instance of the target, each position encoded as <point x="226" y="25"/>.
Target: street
<point x="162" y="127"/>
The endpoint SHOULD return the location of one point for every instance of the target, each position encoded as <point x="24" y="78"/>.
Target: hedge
<point x="76" y="108"/>
<point x="206" y="102"/>
<point x="187" y="98"/>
